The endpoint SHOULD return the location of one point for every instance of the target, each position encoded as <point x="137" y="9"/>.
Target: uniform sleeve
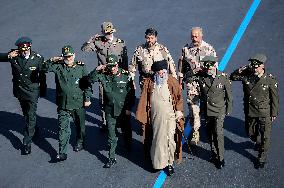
<point x="274" y="97"/>
<point x="88" y="47"/>
<point x="133" y="65"/>
<point x="87" y="88"/>
<point x="48" y="66"/>
<point x="4" y="57"/>
<point x="130" y="97"/>
<point x="239" y="76"/>
<point x="171" y="63"/>
<point x="229" y="96"/>
<point x="42" y="79"/>
<point x="94" y="76"/>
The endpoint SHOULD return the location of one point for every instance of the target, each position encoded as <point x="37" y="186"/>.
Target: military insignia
<point x="247" y="82"/>
<point x="121" y="90"/>
<point x="121" y="82"/>
<point x="38" y="55"/>
<point x="220" y="86"/>
<point x="124" y="71"/>
<point x="203" y="85"/>
<point x="77" y="81"/>
<point x="80" y="63"/>
<point x="32" y="57"/>
<point x="120" y="41"/>
<point x="276" y="85"/>
<point x="32" y="68"/>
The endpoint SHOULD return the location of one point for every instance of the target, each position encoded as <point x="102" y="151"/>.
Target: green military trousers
<point x="215" y="133"/>
<point x="261" y="128"/>
<point x="64" y="116"/>
<point x="113" y="122"/>
<point x="29" y="108"/>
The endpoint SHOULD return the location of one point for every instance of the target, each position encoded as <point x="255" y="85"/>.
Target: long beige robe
<point x="164" y="126"/>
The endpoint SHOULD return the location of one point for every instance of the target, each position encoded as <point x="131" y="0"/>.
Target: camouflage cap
<point x="67" y="50"/>
<point x="261" y="58"/>
<point x="209" y="58"/>
<point x="112" y="60"/>
<point x="107" y="27"/>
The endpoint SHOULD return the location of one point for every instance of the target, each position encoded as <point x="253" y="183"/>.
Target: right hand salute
<point x="55" y="59"/>
<point x="14" y="53"/>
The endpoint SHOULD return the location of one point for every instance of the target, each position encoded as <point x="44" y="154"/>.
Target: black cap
<point x="159" y="65"/>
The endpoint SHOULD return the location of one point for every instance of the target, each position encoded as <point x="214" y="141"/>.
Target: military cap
<point x="159" y="65"/>
<point x="151" y="31"/>
<point x="107" y="27"/>
<point x="258" y="57"/>
<point x="112" y="60"/>
<point x="23" y="43"/>
<point x="67" y="50"/>
<point x="209" y="58"/>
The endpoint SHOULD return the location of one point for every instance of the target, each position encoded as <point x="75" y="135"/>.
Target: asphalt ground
<point x="52" y="24"/>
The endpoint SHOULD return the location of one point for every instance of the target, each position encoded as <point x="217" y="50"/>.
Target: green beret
<point x="23" y="40"/>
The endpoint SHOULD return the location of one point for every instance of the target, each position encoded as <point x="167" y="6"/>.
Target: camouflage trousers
<point x="193" y="104"/>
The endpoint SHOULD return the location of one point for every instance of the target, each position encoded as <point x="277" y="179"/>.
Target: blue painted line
<point x="238" y="35"/>
<point x="162" y="177"/>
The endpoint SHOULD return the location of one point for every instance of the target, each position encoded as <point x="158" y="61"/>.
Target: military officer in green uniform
<point x="261" y="103"/>
<point x="216" y="103"/>
<point x="119" y="93"/>
<point x="71" y="98"/>
<point x="28" y="84"/>
<point x="104" y="45"/>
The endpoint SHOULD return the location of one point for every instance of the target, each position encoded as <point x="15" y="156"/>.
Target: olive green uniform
<point x="70" y="98"/>
<point x="103" y="48"/>
<point x="28" y="83"/>
<point x="119" y="93"/>
<point x="261" y="102"/>
<point x="216" y="102"/>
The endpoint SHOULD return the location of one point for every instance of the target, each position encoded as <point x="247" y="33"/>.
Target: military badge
<point x="32" y="68"/>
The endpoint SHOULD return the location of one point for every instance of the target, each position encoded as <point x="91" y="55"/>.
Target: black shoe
<point x="220" y="164"/>
<point x="256" y="147"/>
<point x="27" y="149"/>
<point x="213" y="159"/>
<point x="110" y="163"/>
<point x="171" y="170"/>
<point x="78" y="147"/>
<point x="259" y="165"/>
<point x="61" y="157"/>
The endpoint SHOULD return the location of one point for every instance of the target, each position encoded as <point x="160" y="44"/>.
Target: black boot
<point x="78" y="147"/>
<point x="171" y="170"/>
<point x="220" y="164"/>
<point x="27" y="149"/>
<point x="61" y="157"/>
<point x="259" y="165"/>
<point x="110" y="163"/>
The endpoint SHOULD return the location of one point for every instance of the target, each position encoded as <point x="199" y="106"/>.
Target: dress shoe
<point x="259" y="165"/>
<point x="110" y="163"/>
<point x="61" y="157"/>
<point x="220" y="164"/>
<point x="171" y="170"/>
<point x="27" y="149"/>
<point x="78" y="147"/>
<point x="256" y="147"/>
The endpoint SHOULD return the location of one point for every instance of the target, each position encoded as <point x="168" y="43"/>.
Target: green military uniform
<point x="28" y="84"/>
<point x="261" y="102"/>
<point x="104" y="47"/>
<point x="119" y="93"/>
<point x="216" y="102"/>
<point x="70" y="98"/>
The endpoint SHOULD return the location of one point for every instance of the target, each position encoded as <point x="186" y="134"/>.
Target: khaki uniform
<point x="261" y="102"/>
<point x="188" y="65"/>
<point x="103" y="48"/>
<point x="216" y="102"/>
<point x="144" y="57"/>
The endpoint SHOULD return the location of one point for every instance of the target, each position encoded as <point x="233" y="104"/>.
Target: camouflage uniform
<point x="189" y="64"/>
<point x="104" y="47"/>
<point x="144" y="57"/>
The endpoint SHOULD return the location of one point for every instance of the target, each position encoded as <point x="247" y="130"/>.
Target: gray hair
<point x="197" y="28"/>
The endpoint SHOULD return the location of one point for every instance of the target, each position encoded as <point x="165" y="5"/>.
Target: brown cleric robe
<point x="143" y="113"/>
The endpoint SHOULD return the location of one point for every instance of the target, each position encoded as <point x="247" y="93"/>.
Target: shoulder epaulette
<point x="80" y="63"/>
<point x="38" y="55"/>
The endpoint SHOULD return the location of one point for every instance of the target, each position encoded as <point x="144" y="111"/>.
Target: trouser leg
<point x="251" y="128"/>
<point x="64" y="130"/>
<point x="124" y="121"/>
<point x="101" y="99"/>
<point x="112" y="138"/>
<point x="79" y="120"/>
<point x="264" y="132"/>
<point x="29" y="111"/>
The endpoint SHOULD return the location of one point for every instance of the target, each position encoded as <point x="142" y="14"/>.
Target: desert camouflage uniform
<point x="144" y="57"/>
<point x="189" y="64"/>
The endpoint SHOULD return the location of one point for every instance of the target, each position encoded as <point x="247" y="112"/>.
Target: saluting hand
<point x="100" y="67"/>
<point x="88" y="103"/>
<point x="55" y="59"/>
<point x="14" y="53"/>
<point x="93" y="38"/>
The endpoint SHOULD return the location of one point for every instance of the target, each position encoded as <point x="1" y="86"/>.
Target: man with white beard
<point x="160" y="111"/>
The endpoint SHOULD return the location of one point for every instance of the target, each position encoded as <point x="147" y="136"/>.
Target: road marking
<point x="162" y="177"/>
